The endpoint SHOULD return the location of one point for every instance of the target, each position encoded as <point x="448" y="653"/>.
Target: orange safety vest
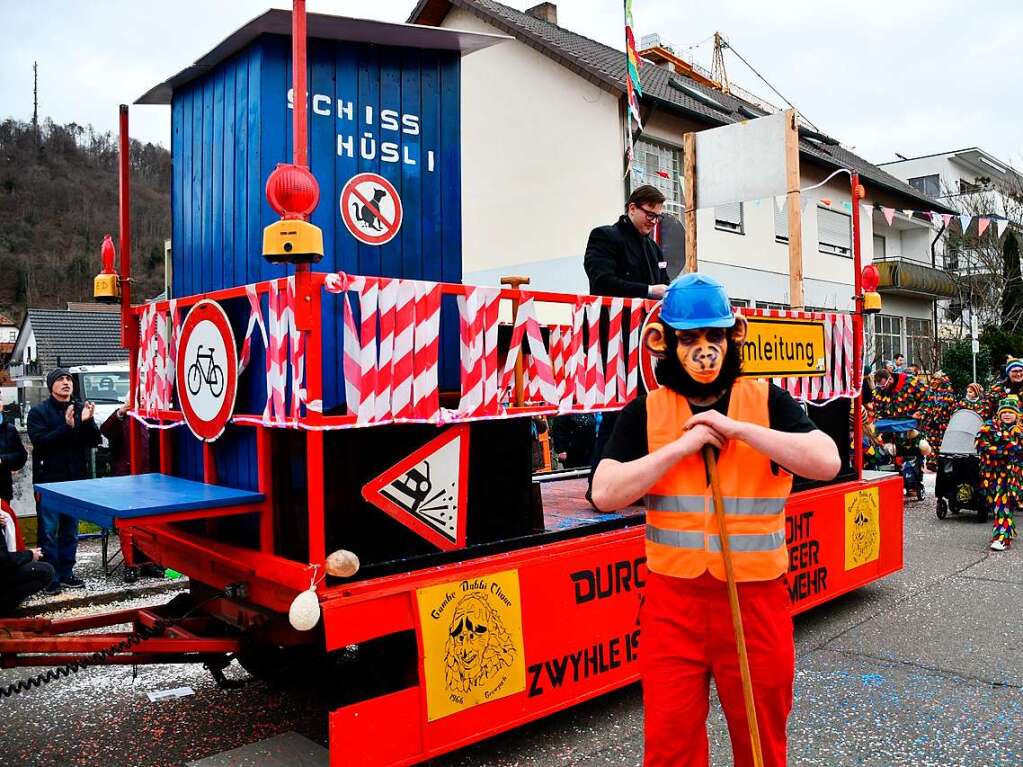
<point x="682" y="536"/>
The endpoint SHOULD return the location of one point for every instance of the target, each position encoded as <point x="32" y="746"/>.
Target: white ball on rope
<point x="304" y="613"/>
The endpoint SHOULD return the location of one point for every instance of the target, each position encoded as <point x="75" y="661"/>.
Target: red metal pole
<point x="300" y="142"/>
<point x="857" y="328"/>
<point x="128" y="341"/>
<point x="298" y="83"/>
<point x="129" y="323"/>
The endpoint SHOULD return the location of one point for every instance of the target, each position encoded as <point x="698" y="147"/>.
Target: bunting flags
<point x="937" y="219"/>
<point x="632" y="84"/>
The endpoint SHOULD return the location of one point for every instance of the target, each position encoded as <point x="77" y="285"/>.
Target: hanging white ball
<point x="304" y="613"/>
<point x="342" y="564"/>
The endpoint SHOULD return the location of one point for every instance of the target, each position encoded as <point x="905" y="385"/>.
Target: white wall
<point x="542" y="160"/>
<point x="542" y="156"/>
<point x="8" y="335"/>
<point x="29" y="350"/>
<point x="939" y="164"/>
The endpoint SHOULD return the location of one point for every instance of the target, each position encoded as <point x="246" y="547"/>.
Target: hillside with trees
<point x="58" y="198"/>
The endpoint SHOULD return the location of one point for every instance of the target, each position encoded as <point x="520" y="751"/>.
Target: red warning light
<point x="107" y="253"/>
<point x="292" y="191"/>
<point x="870" y="278"/>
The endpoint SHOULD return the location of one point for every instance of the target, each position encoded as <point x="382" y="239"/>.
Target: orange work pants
<point x="687" y="639"/>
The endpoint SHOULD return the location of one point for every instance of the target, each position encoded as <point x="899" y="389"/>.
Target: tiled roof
<point x="606" y="66"/>
<point x="76" y="338"/>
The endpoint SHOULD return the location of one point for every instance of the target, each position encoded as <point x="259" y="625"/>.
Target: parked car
<point x="106" y="386"/>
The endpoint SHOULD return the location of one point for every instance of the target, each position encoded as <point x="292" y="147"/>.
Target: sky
<point x="908" y="77"/>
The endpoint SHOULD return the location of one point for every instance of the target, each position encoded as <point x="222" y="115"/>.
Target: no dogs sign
<point x="371" y="208"/>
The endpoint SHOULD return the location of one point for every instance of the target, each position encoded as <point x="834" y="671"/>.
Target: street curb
<point x="104" y="598"/>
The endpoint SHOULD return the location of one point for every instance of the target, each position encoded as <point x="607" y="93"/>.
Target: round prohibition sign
<point x="371" y="208"/>
<point x="206" y="370"/>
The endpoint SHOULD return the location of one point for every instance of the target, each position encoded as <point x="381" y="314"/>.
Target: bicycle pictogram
<point x="213" y="376"/>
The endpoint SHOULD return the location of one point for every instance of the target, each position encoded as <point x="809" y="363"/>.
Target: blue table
<point x="119" y="502"/>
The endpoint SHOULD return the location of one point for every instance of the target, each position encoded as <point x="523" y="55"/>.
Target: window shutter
<point x="879" y="247"/>
<point x="834" y="231"/>
<point x="729" y="216"/>
<point x="781" y="222"/>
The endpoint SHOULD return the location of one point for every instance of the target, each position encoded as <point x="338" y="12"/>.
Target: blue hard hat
<point x="696" y="301"/>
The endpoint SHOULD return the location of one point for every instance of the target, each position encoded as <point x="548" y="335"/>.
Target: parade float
<point x="340" y="444"/>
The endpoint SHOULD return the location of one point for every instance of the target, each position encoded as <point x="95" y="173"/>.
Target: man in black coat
<point x="12" y="458"/>
<point x="62" y="433"/>
<point x="21" y="572"/>
<point x="623" y="260"/>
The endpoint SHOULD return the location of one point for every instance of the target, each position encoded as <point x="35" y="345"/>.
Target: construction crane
<point x="718" y="73"/>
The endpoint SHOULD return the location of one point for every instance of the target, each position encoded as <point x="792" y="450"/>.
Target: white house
<point x="543" y="146"/>
<point x="973" y="182"/>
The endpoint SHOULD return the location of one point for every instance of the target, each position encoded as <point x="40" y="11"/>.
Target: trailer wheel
<point x="941" y="509"/>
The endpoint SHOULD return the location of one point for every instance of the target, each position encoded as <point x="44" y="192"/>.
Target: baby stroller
<point x="911" y="467"/>
<point x="958" y="483"/>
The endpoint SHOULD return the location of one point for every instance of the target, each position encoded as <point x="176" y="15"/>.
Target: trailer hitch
<point x="216" y="664"/>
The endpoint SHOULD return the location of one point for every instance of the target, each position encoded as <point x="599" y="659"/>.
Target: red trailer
<point x="400" y="539"/>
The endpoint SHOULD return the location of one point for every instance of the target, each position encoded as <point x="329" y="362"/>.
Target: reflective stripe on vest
<point x="681" y="539"/>
<point x="764" y="542"/>
<point x="682" y="535"/>
<point x="674" y="538"/>
<point x="694" y="504"/>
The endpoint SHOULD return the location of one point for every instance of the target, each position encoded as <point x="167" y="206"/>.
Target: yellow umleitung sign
<point x="472" y="642"/>
<point x="862" y="527"/>
<point x="781" y="348"/>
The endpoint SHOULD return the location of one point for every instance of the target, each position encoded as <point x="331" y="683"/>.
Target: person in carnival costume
<point x="898" y="395"/>
<point x="975" y="401"/>
<point x="1000" y="447"/>
<point x="1011" y="383"/>
<point x="938" y="408"/>
<point x="764" y="437"/>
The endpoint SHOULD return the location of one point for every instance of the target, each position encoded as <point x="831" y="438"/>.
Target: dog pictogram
<point x="371" y="208"/>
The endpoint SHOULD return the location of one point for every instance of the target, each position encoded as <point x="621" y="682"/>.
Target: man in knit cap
<point x="62" y="433"/>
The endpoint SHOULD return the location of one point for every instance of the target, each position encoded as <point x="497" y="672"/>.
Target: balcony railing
<point x="22" y="369"/>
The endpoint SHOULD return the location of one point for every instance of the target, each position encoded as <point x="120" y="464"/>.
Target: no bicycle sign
<point x="371" y="208"/>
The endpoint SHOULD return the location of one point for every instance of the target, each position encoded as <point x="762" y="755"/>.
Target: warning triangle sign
<point x="427" y="491"/>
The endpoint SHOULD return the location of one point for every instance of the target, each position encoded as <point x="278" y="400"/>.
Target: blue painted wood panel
<point x="380" y="109"/>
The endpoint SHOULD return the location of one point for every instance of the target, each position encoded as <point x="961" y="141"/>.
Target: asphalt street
<point x="922" y="668"/>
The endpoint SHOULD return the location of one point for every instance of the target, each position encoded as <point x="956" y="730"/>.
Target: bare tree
<point x="989" y="283"/>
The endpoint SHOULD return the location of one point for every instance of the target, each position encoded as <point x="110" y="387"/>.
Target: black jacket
<point x="12" y="457"/>
<point x="59" y="452"/>
<point x="11" y="560"/>
<point x="622" y="262"/>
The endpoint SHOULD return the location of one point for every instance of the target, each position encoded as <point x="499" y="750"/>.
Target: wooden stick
<point x="516" y="283"/>
<point x="733" y="601"/>
<point x="794" y="211"/>
<point x="689" y="196"/>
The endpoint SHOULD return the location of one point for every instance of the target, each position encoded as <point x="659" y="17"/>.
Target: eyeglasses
<point x="650" y="215"/>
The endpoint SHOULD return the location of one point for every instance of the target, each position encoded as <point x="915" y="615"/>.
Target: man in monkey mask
<point x="763" y="437"/>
